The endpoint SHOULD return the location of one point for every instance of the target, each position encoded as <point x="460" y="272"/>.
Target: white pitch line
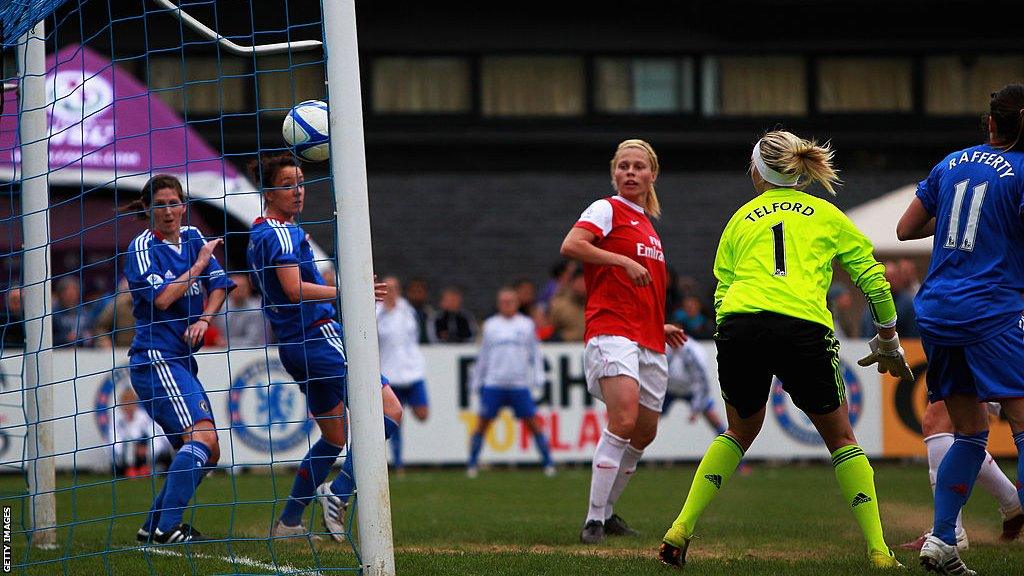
<point x="244" y="561"/>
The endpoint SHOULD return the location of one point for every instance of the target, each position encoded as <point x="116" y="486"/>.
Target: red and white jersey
<point x="614" y="305"/>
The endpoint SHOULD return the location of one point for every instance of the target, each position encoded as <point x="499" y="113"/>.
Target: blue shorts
<point x="990" y="369"/>
<point x="414" y="394"/>
<point x="493" y="399"/>
<point x="169" y="391"/>
<point x="319" y="367"/>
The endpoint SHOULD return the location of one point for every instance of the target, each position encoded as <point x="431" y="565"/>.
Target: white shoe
<point x="334" y="511"/>
<point x="472" y="472"/>
<point x="550" y="470"/>
<point x="937" y="556"/>
<point x="281" y="530"/>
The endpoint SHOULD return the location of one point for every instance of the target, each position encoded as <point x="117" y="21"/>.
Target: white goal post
<point x="355" y="271"/>
<point x="38" y="366"/>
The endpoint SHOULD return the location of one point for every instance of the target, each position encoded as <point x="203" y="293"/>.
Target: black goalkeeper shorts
<point x="803" y="354"/>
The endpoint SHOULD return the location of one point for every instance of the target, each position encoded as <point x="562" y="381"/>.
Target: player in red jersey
<point x="624" y="268"/>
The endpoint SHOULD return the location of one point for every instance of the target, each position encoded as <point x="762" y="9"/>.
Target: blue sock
<point x="183" y="476"/>
<point x="154" y="511"/>
<point x="475" y="444"/>
<point x="391" y="428"/>
<point x="954" y="481"/>
<point x="345" y="483"/>
<point x="1018" y="439"/>
<point x="153" y="518"/>
<point x="312" y="471"/>
<point x="542" y="446"/>
<point x="396" y="449"/>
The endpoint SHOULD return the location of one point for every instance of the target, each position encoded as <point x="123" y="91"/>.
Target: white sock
<point x="938" y="445"/>
<point x="627" y="467"/>
<point x="604" y="470"/>
<point x="992" y="479"/>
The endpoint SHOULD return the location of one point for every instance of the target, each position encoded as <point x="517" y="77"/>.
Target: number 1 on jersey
<point x="780" y="249"/>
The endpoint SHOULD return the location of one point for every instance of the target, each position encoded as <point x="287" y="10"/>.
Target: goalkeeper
<point x="774" y="266"/>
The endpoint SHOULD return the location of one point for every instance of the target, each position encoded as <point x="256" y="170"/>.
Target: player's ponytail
<point x="784" y="159"/>
<point x="1007" y="111"/>
<point x="651" y="205"/>
<point x="140" y="206"/>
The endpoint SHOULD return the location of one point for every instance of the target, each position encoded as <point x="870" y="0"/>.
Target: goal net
<point x="99" y="96"/>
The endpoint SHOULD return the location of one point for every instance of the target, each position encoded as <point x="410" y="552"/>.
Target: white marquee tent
<point x="877" y="219"/>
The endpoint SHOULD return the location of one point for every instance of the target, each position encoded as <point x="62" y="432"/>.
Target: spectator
<point x="689" y="286"/>
<point x="844" y="316"/>
<point x="673" y="295"/>
<point x="418" y="296"/>
<point x="13" y="320"/>
<point x="568" y="309"/>
<point x="130" y="434"/>
<point x="693" y="320"/>
<point x="910" y="275"/>
<point x="561" y="275"/>
<point x="906" y="318"/>
<point x="70" y="324"/>
<point x="115" y="325"/>
<point x="526" y="293"/>
<point x="243" y="324"/>
<point x="452" y="324"/>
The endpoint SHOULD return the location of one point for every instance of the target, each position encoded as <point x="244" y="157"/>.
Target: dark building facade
<point x="489" y="128"/>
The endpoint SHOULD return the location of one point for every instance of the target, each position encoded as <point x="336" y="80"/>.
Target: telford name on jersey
<point x="655" y="252"/>
<point x="758" y="213"/>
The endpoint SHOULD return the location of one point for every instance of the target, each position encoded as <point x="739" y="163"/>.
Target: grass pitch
<point x="778" y="520"/>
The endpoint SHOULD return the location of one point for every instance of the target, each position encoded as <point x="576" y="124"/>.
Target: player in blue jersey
<point x="300" y="307"/>
<point x="169" y="269"/>
<point x="969" y="308"/>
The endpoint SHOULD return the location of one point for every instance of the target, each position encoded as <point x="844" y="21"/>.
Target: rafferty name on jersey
<point x="758" y="213"/>
<point x="996" y="161"/>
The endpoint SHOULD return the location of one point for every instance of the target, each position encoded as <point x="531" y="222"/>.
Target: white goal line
<point x="242" y="560"/>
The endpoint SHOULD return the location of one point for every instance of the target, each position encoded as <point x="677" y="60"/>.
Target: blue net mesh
<point x="18" y="16"/>
<point x="132" y="92"/>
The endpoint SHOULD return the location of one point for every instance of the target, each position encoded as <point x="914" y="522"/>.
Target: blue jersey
<point x="151" y="265"/>
<point x="974" y="283"/>
<point x="273" y="244"/>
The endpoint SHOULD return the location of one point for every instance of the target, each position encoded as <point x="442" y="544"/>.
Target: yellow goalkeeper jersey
<point x="776" y="253"/>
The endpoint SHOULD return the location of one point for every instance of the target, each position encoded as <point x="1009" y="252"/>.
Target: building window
<point x="200" y="84"/>
<point x="644" y="85"/>
<point x="421" y="86"/>
<point x="754" y="86"/>
<point x="865" y="85"/>
<point x="284" y="81"/>
<point x="532" y="86"/>
<point x="963" y="85"/>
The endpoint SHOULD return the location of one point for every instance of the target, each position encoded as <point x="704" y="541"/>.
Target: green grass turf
<point x="786" y="519"/>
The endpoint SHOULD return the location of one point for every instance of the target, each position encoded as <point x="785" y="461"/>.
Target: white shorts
<point x="619" y="356"/>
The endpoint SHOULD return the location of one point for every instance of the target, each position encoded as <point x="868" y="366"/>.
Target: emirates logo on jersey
<point x="654" y="252"/>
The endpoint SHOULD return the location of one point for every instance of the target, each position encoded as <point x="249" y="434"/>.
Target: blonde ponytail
<point x="651" y="205"/>
<point x="791" y="155"/>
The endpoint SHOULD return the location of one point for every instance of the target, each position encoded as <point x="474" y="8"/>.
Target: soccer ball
<point x="306" y="129"/>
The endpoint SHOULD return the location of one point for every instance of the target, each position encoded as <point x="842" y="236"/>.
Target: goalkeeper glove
<point x="889" y="356"/>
